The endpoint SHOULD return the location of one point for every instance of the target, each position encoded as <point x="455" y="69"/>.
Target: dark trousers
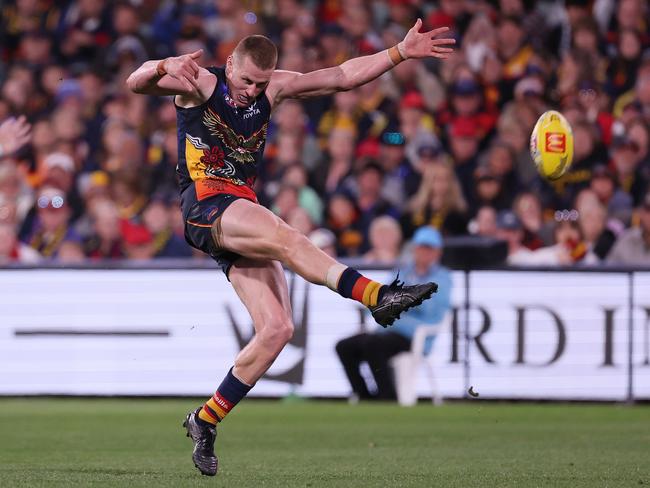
<point x="376" y="350"/>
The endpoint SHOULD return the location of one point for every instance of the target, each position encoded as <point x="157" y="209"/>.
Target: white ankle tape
<point x="333" y="275"/>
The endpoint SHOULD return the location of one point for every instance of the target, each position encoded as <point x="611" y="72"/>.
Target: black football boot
<point x="398" y="298"/>
<point x="203" y="434"/>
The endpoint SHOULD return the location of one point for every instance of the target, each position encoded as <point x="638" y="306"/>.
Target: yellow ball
<point x="551" y="145"/>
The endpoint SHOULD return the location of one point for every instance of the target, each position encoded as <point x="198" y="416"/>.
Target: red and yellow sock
<point x="229" y="393"/>
<point x="352" y="284"/>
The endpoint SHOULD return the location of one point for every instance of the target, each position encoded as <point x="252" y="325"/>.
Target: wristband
<point x="2" y="151"/>
<point x="400" y="48"/>
<point x="160" y="68"/>
<point x="395" y="55"/>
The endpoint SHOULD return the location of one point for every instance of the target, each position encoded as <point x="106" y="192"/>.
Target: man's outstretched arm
<point x="357" y="71"/>
<point x="170" y="76"/>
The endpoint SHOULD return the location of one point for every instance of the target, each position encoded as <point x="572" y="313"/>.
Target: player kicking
<point x="222" y="119"/>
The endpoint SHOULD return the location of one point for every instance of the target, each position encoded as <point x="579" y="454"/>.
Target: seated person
<point x="376" y="348"/>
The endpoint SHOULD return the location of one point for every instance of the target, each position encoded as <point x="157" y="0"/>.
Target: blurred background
<point x="438" y="143"/>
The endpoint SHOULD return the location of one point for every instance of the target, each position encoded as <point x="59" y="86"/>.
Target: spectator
<point x="488" y="190"/>
<point x="157" y="220"/>
<point x="286" y="201"/>
<point x="621" y="72"/>
<point x="343" y="220"/>
<point x="467" y="104"/>
<point x="485" y="222"/>
<point x="308" y="199"/>
<point x="399" y="177"/>
<point x="14" y="133"/>
<point x="513" y="48"/>
<point x="633" y="247"/>
<point x="528" y="209"/>
<point x="514" y="130"/>
<point x="336" y="164"/>
<point x="626" y="160"/>
<point x="137" y="241"/>
<point x="104" y="237"/>
<point x="369" y="182"/>
<point x="598" y="236"/>
<point x="464" y="141"/>
<point x="14" y="190"/>
<point x="639" y="97"/>
<point x="377" y="347"/>
<point x="617" y="202"/>
<point x="11" y="249"/>
<point x="509" y="229"/>
<point x="569" y="247"/>
<point x="52" y="223"/>
<point x="439" y="203"/>
<point x="639" y="133"/>
<point x="385" y="237"/>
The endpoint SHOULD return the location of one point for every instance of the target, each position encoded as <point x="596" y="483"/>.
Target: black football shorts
<point x="199" y="217"/>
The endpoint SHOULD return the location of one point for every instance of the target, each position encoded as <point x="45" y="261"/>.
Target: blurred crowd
<point x="87" y="169"/>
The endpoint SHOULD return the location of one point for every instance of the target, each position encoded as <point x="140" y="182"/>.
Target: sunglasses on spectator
<point x="47" y="202"/>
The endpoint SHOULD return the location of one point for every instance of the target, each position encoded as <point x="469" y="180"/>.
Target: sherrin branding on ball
<point x="551" y="145"/>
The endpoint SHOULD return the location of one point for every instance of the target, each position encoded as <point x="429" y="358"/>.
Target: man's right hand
<point x="183" y="68"/>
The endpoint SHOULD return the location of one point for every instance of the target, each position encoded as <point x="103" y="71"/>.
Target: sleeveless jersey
<point x="220" y="145"/>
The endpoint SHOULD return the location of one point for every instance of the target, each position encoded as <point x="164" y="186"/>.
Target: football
<point x="551" y="145"/>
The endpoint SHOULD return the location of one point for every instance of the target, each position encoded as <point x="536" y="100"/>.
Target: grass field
<point x="96" y="442"/>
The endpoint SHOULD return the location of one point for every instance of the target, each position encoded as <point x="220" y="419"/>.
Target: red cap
<point x="464" y="128"/>
<point x="438" y="18"/>
<point x="368" y="148"/>
<point x="412" y="99"/>
<point x="135" y="234"/>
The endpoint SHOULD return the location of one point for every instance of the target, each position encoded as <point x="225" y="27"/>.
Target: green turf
<point x="68" y="442"/>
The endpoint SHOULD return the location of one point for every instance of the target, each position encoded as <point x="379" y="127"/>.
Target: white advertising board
<point x="641" y="342"/>
<point x="547" y="335"/>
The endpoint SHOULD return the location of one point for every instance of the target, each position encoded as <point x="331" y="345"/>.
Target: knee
<point x="277" y="334"/>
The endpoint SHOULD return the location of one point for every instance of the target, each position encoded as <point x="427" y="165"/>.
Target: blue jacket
<point x="431" y="311"/>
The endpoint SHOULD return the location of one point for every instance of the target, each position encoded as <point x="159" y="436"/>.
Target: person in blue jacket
<point x="377" y="347"/>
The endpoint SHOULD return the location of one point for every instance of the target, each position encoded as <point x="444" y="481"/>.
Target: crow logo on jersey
<point x="241" y="148"/>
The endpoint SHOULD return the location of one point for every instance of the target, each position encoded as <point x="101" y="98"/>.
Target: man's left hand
<point x="418" y="44"/>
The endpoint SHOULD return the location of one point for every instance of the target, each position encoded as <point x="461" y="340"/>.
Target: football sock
<point x="349" y="283"/>
<point x="229" y="393"/>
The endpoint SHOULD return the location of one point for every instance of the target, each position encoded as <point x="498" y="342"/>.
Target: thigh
<point x="251" y="230"/>
<point x="262" y="288"/>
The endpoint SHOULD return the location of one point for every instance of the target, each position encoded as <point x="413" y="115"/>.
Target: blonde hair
<point x="453" y="199"/>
